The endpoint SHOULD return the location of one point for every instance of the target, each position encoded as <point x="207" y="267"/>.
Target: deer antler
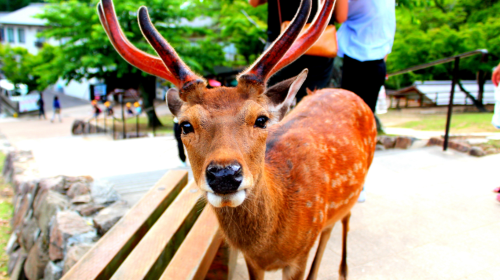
<point x="171" y="59"/>
<point x="308" y="38"/>
<point x="260" y="70"/>
<point x="169" y="67"/>
<point x="142" y="60"/>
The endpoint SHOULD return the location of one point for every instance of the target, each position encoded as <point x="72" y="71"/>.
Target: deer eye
<point x="186" y="128"/>
<point x="261" y="122"/>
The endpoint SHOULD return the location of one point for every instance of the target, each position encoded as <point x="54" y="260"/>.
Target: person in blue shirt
<point x="56" y="106"/>
<point x="365" y="39"/>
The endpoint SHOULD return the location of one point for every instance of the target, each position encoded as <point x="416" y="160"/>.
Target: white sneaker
<point x="362" y="197"/>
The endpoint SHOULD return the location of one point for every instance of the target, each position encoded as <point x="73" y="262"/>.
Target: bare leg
<point x="343" y="264"/>
<point x="254" y="272"/>
<point x="325" y="236"/>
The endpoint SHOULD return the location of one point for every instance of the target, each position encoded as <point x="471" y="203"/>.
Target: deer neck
<point x="248" y="226"/>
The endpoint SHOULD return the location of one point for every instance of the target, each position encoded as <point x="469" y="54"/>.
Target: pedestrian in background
<point x="41" y="107"/>
<point x="180" y="146"/>
<point x="56" y="106"/>
<point x="365" y="39"/>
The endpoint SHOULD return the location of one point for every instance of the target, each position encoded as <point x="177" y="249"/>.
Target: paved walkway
<point x="428" y="214"/>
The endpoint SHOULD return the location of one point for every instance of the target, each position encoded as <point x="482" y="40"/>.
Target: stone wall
<point x="56" y="220"/>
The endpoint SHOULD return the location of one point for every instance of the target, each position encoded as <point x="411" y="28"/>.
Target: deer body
<point x="276" y="182"/>
<point x="316" y="160"/>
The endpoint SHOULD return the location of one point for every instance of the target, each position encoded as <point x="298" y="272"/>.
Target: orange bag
<point x="326" y="45"/>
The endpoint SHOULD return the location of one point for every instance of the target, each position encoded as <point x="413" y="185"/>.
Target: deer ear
<point x="174" y="102"/>
<point x="282" y="94"/>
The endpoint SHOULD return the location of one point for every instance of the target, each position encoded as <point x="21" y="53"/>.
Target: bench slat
<point x="153" y="253"/>
<point x="106" y="256"/>
<point x="194" y="257"/>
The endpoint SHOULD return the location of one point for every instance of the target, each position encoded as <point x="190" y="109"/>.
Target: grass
<point x="460" y="122"/>
<point x="6" y="212"/>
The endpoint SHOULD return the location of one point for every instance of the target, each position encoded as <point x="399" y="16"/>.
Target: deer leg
<point x="254" y="272"/>
<point x="323" y="240"/>
<point x="343" y="264"/>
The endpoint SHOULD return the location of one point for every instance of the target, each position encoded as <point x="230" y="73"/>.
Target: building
<point x="20" y="28"/>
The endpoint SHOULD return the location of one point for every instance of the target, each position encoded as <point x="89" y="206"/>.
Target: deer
<point x="276" y="180"/>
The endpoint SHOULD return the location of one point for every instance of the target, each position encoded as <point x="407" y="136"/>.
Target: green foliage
<point x="435" y="29"/>
<point x="12" y="5"/>
<point x="248" y="34"/>
<point x="87" y="53"/>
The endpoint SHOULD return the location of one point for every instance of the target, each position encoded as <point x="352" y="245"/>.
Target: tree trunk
<point x="147" y="89"/>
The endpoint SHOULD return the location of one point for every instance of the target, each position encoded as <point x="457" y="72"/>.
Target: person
<point x="365" y="39"/>
<point x="97" y="110"/>
<point x="56" y="105"/>
<point x="180" y="146"/>
<point x="129" y="109"/>
<point x="109" y="108"/>
<point x="495" y="78"/>
<point x="320" y="68"/>
<point x="41" y="107"/>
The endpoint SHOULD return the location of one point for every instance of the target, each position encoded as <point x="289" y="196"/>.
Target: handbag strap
<point x="279" y="12"/>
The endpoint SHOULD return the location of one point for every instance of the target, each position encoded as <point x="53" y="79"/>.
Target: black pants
<point x="180" y="147"/>
<point x="320" y="73"/>
<point x="364" y="78"/>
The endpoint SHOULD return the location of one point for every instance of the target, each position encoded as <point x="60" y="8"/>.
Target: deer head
<point x="224" y="129"/>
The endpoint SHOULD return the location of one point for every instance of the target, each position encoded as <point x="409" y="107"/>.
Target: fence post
<point x="137" y="125"/>
<point x="123" y="116"/>
<point x="450" y="104"/>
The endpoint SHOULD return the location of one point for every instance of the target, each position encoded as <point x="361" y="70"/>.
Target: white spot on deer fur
<point x="314" y="219"/>
<point x="321" y="200"/>
<point x="351" y="195"/>
<point x="346" y="201"/>
<point x="320" y="216"/>
<point x="309" y="204"/>
<point x="334" y="183"/>
<point x="344" y="158"/>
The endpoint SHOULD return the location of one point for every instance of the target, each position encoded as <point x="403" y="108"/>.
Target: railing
<point x="456" y="59"/>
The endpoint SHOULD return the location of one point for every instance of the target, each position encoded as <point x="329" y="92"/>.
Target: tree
<point x="243" y="26"/>
<point x="428" y="30"/>
<point x="86" y="52"/>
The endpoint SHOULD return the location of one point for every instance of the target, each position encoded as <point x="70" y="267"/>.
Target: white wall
<point x="29" y="36"/>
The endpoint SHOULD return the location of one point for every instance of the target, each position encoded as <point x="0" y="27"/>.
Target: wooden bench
<point x="168" y="234"/>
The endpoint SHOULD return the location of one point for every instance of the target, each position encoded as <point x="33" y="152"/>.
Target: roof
<point x="25" y="16"/>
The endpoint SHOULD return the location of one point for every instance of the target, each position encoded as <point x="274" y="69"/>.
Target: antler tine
<point x="308" y="38"/>
<point x="171" y="59"/>
<point x="259" y="71"/>
<point x="142" y="60"/>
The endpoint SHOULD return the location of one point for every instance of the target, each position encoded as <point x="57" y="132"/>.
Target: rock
<point x="461" y="147"/>
<point x="29" y="234"/>
<point x="387" y="141"/>
<point x="491" y="151"/>
<point x="380" y="147"/>
<point x="477" y="151"/>
<point x="17" y="271"/>
<point x="51" y="203"/>
<point x="20" y="212"/>
<point x="81" y="199"/>
<point x="109" y="216"/>
<point x="74" y="254"/>
<point x="103" y="193"/>
<point x="52" y="271"/>
<point x="67" y="224"/>
<point x="88" y="209"/>
<point x="56" y="184"/>
<point x="435" y="142"/>
<point x="12" y="244"/>
<point x="36" y="262"/>
<point x="403" y="142"/>
<point x="77" y="189"/>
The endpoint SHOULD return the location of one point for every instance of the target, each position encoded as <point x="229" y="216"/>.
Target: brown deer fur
<point x="307" y="170"/>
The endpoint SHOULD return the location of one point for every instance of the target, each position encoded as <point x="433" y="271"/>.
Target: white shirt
<point x="368" y="33"/>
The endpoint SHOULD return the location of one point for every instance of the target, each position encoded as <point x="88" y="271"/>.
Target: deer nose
<point x="224" y="179"/>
